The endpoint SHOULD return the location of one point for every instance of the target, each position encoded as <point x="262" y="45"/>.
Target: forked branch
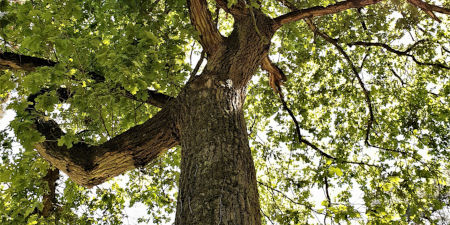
<point x="400" y="53"/>
<point x="355" y="71"/>
<point x="92" y="165"/>
<point x="210" y="37"/>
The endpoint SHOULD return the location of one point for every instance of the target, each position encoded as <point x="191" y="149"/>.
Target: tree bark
<point x="218" y="182"/>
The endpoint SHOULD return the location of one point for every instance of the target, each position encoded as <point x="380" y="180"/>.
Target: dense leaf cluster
<point x="105" y="50"/>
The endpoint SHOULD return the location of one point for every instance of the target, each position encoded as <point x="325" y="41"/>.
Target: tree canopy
<point x="348" y="117"/>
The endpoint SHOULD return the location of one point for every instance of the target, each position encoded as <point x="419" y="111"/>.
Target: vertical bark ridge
<point x="218" y="180"/>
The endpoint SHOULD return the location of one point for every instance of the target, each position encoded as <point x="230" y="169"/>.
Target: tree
<point x="364" y="106"/>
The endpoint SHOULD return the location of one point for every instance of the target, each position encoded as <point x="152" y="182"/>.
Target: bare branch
<point x="401" y="53"/>
<point x="276" y="75"/>
<point x="320" y="11"/>
<point x="210" y="37"/>
<point x="355" y="71"/>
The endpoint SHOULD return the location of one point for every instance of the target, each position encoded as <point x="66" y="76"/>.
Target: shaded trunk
<point x="218" y="181"/>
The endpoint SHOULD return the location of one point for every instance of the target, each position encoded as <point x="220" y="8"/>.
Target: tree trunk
<point x="218" y="181"/>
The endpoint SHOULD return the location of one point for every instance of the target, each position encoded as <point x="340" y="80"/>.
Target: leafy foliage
<point x="403" y="175"/>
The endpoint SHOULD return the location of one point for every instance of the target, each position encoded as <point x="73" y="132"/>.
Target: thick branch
<point x="14" y="61"/>
<point x="92" y="165"/>
<point x="320" y="11"/>
<point x="201" y="18"/>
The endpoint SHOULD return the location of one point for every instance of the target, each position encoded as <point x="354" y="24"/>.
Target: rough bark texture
<point x="93" y="165"/>
<point x="218" y="180"/>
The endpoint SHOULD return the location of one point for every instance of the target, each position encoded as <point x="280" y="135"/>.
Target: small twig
<point x="285" y="196"/>
<point x="398" y="77"/>
<point x="103" y="122"/>
<point x="267" y="217"/>
<point x="363" y="61"/>
<point x="327" y="194"/>
<point x="253" y="124"/>
<point x="363" y="23"/>
<point x="197" y="66"/>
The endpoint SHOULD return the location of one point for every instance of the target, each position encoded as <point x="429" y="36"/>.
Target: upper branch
<point x="320" y="11"/>
<point x="15" y="61"/>
<point x="401" y="53"/>
<point x="355" y="71"/>
<point x="429" y="9"/>
<point x="201" y="18"/>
